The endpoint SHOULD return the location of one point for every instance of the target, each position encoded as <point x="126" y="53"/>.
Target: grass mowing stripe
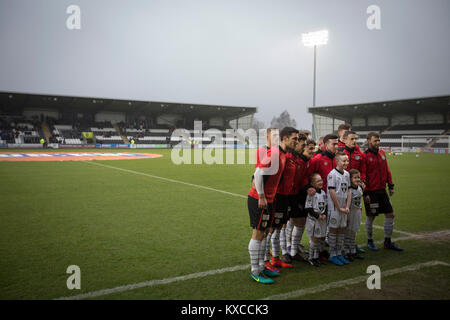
<point x="168" y="180"/>
<point x="343" y="283"/>
<point x="200" y="186"/>
<point x="204" y="274"/>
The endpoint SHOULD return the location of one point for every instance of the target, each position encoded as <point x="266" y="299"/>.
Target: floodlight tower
<point x="314" y="39"/>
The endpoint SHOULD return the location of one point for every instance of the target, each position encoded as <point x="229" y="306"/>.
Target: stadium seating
<point x="19" y="130"/>
<point x="66" y="134"/>
<point x="392" y="136"/>
<point x="70" y="132"/>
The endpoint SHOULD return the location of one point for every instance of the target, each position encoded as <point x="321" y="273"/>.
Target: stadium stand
<point x="71" y="120"/>
<point x="393" y="136"/>
<point x="411" y="123"/>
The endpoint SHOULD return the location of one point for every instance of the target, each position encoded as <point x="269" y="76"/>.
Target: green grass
<point x="122" y="228"/>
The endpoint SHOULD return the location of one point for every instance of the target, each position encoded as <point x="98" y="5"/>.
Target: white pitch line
<point x="168" y="180"/>
<point x="152" y="283"/>
<point x="395" y="230"/>
<point x="347" y="282"/>
<point x="442" y="233"/>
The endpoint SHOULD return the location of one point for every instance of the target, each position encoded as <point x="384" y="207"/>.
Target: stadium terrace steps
<point x="386" y="129"/>
<point x="46" y="131"/>
<point x="124" y="138"/>
<point x="434" y="140"/>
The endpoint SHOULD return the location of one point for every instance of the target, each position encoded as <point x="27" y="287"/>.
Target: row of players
<point x="293" y="187"/>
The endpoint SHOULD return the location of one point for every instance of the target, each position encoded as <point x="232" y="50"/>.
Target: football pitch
<point x="150" y="229"/>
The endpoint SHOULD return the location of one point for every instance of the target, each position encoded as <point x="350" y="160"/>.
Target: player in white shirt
<point x="339" y="199"/>
<point x="354" y="217"/>
<point x="316" y="223"/>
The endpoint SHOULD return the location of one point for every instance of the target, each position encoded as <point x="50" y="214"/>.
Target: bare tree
<point x="284" y="120"/>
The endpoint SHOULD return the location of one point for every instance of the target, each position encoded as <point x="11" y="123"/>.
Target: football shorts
<point x="379" y="203"/>
<point x="260" y="219"/>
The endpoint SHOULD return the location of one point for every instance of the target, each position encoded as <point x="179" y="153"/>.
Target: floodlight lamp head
<point x="316" y="38"/>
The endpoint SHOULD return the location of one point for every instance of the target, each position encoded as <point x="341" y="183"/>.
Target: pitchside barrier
<point x="77" y="146"/>
<point x="206" y="146"/>
<point x="83" y="146"/>
<point x="24" y="146"/>
<point x="212" y="146"/>
<point x="109" y="146"/>
<point x="418" y="150"/>
<point x="150" y="146"/>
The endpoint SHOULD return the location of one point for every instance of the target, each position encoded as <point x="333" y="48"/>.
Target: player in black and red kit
<point x="281" y="205"/>
<point x="261" y="152"/>
<point x="324" y="162"/>
<point x="271" y="134"/>
<point x="376" y="199"/>
<point x="355" y="156"/>
<point x="342" y="129"/>
<point x="260" y="201"/>
<point x="286" y="199"/>
<point x="298" y="217"/>
<point x="320" y="146"/>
